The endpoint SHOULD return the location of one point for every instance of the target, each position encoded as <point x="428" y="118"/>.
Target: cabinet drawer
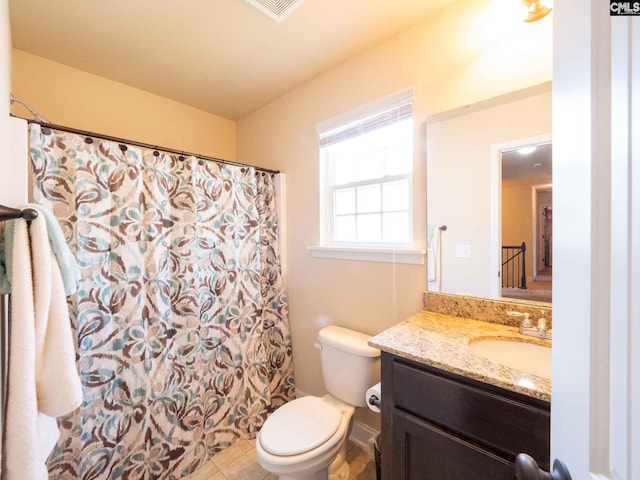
<point x="425" y="452"/>
<point x="499" y="423"/>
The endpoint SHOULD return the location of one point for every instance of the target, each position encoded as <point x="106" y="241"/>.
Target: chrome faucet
<point x="540" y="330"/>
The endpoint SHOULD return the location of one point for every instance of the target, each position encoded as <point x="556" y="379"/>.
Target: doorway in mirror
<point x="526" y="222"/>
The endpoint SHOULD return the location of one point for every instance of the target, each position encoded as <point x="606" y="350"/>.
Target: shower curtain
<point x="180" y="319"/>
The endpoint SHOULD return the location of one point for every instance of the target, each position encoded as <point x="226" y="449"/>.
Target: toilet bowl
<point x="306" y="440"/>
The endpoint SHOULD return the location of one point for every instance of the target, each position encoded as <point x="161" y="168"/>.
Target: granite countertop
<point x="442" y="341"/>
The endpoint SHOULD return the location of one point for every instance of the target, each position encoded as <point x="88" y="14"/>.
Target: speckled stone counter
<point x="487" y="309"/>
<point x="442" y="341"/>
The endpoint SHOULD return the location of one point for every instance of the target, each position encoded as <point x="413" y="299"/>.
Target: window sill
<point x="402" y="255"/>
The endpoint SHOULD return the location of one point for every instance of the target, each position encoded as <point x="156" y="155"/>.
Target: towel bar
<point x="7" y="213"/>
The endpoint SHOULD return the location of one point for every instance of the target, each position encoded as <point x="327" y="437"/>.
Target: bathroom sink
<point x="524" y="356"/>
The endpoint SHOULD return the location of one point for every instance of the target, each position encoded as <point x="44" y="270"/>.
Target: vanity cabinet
<point x="437" y="425"/>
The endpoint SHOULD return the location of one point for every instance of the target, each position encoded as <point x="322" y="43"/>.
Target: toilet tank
<point x="349" y="365"/>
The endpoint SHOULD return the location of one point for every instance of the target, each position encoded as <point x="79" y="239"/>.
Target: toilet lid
<point x="299" y="426"/>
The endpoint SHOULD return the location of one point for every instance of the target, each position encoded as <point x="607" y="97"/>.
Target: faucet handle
<point x="542" y="325"/>
<point x="526" y="321"/>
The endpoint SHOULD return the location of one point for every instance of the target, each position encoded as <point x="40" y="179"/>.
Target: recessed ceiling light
<point x="526" y="150"/>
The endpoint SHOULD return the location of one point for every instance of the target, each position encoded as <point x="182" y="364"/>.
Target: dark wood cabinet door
<point x="496" y="422"/>
<point x="422" y="451"/>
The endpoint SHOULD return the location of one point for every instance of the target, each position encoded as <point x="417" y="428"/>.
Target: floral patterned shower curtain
<point x="180" y="318"/>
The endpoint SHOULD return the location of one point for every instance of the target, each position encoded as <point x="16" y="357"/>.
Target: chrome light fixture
<point x="536" y="10"/>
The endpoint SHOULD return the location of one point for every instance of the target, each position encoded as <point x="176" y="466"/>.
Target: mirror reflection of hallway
<point x="527" y="223"/>
<point x="543" y="263"/>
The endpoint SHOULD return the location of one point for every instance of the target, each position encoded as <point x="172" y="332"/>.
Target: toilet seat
<point x="307" y="464"/>
<point x="299" y="427"/>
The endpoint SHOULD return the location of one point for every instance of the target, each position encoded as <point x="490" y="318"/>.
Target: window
<point x="366" y="161"/>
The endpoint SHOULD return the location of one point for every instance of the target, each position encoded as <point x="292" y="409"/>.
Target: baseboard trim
<point x="361" y="433"/>
<point x="300" y="393"/>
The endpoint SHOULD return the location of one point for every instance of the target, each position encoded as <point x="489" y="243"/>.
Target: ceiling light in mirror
<point x="526" y="150"/>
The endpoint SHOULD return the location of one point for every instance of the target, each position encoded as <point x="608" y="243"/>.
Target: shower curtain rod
<point x="146" y="145"/>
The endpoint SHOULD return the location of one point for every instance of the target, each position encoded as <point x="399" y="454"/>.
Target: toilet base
<point x="338" y="470"/>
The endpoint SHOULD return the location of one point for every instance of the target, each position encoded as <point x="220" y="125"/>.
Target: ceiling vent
<point x="278" y="10"/>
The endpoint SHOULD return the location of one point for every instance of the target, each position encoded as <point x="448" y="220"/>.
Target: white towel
<point x="433" y="255"/>
<point x="57" y="381"/>
<point x="42" y="373"/>
<point x="21" y="449"/>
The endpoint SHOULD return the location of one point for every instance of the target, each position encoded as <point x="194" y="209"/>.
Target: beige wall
<point x="453" y="58"/>
<point x="74" y="98"/>
<point x="460" y="189"/>
<point x="5" y="79"/>
<point x="518" y="214"/>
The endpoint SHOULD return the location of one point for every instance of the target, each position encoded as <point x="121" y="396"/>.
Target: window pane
<point x="345" y="201"/>
<point x="369" y="199"/>
<point x="345" y="163"/>
<point x="398" y="159"/>
<point x="395" y="227"/>
<point x="345" y="228"/>
<point x="371" y="164"/>
<point x="395" y="196"/>
<point x="369" y="228"/>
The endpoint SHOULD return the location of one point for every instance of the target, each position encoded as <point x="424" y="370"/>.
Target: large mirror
<point x="489" y="198"/>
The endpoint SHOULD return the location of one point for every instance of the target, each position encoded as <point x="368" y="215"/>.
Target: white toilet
<point x="305" y="439"/>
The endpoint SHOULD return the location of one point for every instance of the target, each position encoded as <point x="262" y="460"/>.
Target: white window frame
<point x="378" y="251"/>
<point x="329" y="227"/>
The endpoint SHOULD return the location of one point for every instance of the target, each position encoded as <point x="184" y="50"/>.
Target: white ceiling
<point x="539" y="162"/>
<point x="222" y="56"/>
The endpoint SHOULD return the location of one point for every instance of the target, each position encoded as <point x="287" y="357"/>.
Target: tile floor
<point x="239" y="462"/>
